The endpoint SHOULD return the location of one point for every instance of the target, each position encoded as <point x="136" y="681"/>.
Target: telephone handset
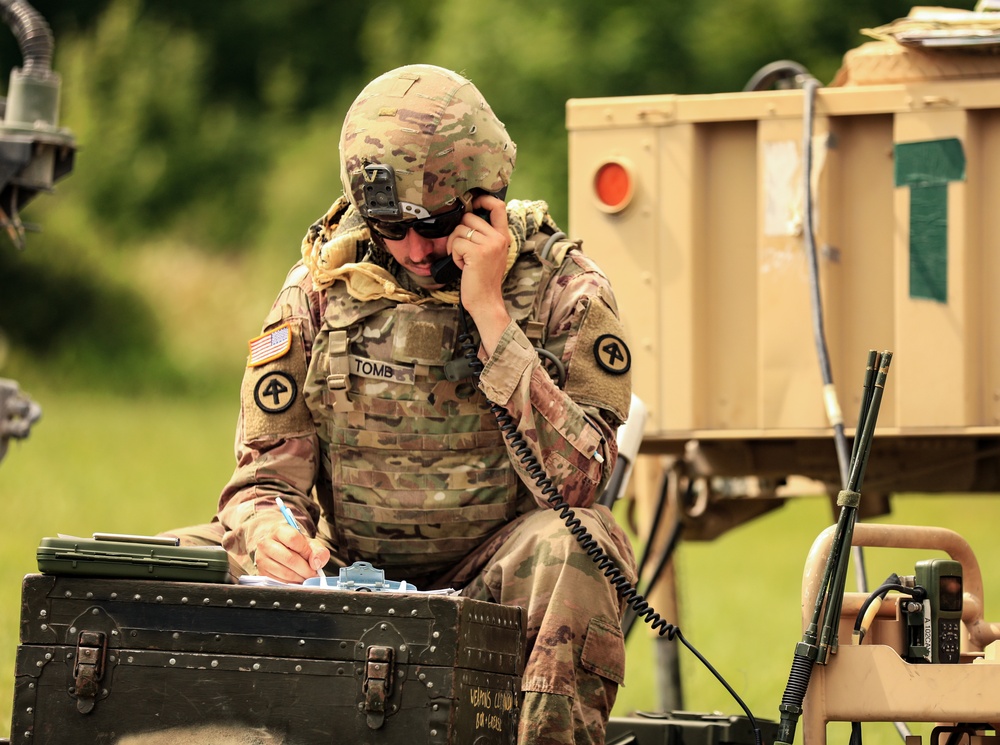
<point x="445" y="270"/>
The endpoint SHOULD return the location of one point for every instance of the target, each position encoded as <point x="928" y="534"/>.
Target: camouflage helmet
<point x="417" y="139"/>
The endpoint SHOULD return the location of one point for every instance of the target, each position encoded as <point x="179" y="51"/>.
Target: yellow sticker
<point x="270" y="346"/>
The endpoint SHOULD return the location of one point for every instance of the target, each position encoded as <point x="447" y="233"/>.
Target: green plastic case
<point x="137" y="558"/>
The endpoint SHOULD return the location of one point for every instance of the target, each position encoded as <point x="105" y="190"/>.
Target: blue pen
<point x="290" y="519"/>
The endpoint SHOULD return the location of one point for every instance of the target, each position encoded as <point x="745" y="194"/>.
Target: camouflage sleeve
<point x="277" y="451"/>
<point x="570" y="430"/>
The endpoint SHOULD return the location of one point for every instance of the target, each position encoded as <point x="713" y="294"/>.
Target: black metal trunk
<point x="100" y="659"/>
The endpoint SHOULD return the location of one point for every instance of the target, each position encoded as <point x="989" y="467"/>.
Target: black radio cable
<point x="636" y="602"/>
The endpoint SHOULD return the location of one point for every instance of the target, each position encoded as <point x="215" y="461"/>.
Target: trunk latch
<point x="378" y="684"/>
<point x="88" y="668"/>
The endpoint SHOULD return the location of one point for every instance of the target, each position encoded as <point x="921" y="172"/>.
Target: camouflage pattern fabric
<point x="401" y="437"/>
<point x="437" y="131"/>
<point x="576" y="649"/>
<point x="386" y="459"/>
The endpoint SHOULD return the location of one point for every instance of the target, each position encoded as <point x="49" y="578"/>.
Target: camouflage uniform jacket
<point x="337" y="419"/>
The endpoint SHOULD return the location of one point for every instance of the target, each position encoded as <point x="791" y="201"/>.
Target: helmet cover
<point x="434" y="131"/>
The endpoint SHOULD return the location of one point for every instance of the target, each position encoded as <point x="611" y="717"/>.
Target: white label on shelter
<point x="782" y="188"/>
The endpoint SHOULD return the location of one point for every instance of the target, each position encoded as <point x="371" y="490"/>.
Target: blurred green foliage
<point x="213" y="126"/>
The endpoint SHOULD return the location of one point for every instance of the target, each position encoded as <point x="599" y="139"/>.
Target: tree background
<point x="207" y="135"/>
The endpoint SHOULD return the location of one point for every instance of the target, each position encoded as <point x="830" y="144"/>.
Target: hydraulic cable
<point x="668" y="551"/>
<point x="658" y="512"/>
<point x="833" y="411"/>
<point x="819" y="333"/>
<point x="779" y="74"/>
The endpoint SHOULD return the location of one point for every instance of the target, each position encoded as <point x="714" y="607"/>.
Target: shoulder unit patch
<point x="612" y="354"/>
<point x="599" y="371"/>
<point x="275" y="392"/>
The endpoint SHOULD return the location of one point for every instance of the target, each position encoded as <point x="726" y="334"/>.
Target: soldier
<point x="381" y="402"/>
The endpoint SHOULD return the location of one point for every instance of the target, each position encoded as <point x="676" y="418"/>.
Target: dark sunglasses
<point x="435" y="226"/>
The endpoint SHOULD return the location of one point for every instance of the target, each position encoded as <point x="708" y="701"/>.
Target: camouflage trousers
<point x="576" y="651"/>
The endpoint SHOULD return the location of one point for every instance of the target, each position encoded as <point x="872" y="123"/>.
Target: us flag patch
<point x="270" y="346"/>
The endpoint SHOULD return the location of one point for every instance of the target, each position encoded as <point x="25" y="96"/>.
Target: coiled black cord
<point x="605" y="563"/>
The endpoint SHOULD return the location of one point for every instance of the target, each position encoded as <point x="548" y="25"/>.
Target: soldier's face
<point x="416" y="254"/>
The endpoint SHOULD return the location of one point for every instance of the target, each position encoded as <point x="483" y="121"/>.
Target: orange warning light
<point x="613" y="185"/>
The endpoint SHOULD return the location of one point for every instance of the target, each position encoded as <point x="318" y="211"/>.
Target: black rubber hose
<point x="34" y="37"/>
<point x="668" y="552"/>
<point x="661" y="503"/>
<point x="809" y="87"/>
<point x="819" y="332"/>
<point x="775" y="73"/>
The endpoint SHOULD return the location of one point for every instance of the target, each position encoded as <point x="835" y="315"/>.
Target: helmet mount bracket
<point x="381" y="199"/>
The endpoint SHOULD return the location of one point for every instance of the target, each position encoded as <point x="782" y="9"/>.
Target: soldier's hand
<point x="288" y="555"/>
<point x="480" y="249"/>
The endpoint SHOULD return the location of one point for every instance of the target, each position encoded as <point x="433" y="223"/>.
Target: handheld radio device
<point x="933" y="625"/>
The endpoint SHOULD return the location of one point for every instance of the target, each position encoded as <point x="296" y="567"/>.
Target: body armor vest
<point x="419" y="471"/>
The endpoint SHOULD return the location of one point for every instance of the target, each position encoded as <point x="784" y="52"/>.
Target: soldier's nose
<point x="420" y="247"/>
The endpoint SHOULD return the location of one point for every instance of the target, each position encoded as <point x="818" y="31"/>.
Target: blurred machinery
<point x="34" y="153"/>
<point x="17" y="414"/>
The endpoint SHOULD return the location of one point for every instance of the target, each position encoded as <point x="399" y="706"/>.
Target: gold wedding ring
<point x="472" y="232"/>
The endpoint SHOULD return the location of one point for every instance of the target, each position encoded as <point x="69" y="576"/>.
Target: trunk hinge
<point x="88" y="668"/>
<point x="378" y="684"/>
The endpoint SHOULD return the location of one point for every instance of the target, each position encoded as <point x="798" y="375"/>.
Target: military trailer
<point x="694" y="204"/>
<point x="762" y="244"/>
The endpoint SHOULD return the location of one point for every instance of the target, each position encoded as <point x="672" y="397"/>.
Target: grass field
<point x="101" y="463"/>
